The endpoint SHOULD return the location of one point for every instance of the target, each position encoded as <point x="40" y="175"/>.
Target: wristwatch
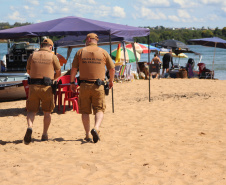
<point x="72" y="82"/>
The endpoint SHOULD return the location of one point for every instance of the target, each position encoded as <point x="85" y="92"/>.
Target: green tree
<point x="207" y="33"/>
<point x="224" y="31"/>
<point x="153" y="37"/>
<point x="217" y="32"/>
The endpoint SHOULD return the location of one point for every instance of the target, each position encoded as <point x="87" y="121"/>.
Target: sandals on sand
<point x="95" y="135"/>
<point x="27" y="137"/>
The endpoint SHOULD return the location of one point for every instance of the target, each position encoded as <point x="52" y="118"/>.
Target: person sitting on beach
<point x="167" y="58"/>
<point x="91" y="62"/>
<point x="43" y="67"/>
<point x="156" y="60"/>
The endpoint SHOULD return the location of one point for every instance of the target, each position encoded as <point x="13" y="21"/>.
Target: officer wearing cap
<point x="91" y="61"/>
<point x="43" y="67"/>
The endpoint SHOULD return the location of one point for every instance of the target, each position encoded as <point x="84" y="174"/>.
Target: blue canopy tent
<point x="75" y="26"/>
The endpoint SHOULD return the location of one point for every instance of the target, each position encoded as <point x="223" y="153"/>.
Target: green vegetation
<point x="6" y="25"/>
<point x="157" y="34"/>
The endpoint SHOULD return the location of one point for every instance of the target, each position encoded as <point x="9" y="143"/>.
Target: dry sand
<point x="177" y="138"/>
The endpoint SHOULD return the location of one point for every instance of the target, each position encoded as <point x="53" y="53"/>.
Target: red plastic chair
<point x="26" y="87"/>
<point x="71" y="97"/>
<point x="63" y="80"/>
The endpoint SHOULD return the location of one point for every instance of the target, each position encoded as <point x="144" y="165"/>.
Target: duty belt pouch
<point x="47" y="81"/>
<point x="106" y="88"/>
<point x="99" y="82"/>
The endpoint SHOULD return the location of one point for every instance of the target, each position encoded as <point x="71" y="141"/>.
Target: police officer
<point x="43" y="67"/>
<point x="91" y="61"/>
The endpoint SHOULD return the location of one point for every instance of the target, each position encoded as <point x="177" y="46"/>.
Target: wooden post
<point x="149" y="69"/>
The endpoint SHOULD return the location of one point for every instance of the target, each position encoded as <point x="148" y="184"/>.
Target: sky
<point x="143" y="13"/>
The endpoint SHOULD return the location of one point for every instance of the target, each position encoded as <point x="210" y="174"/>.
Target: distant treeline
<point x="157" y="34"/>
<point x="6" y="25"/>
<point x="160" y="33"/>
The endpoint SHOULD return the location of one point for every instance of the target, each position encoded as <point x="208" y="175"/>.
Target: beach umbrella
<point x="129" y="55"/>
<point x="174" y="44"/>
<point x="181" y="55"/>
<point x="152" y="48"/>
<point x="118" y="56"/>
<point x="142" y="48"/>
<point x="215" y="42"/>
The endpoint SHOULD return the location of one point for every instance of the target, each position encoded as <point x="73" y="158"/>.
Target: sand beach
<point x="177" y="138"/>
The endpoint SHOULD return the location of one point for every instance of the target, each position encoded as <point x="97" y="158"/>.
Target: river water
<point x="206" y="52"/>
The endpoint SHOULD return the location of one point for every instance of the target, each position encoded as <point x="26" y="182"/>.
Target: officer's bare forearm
<point x="57" y="74"/>
<point x="73" y="73"/>
<point x="112" y="74"/>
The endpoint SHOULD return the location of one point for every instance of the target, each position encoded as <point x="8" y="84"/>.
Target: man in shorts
<point x="167" y="58"/>
<point x="91" y="61"/>
<point x="43" y="67"/>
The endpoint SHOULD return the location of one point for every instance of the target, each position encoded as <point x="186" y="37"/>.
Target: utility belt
<point x="38" y="81"/>
<point x="44" y="81"/>
<point x="98" y="82"/>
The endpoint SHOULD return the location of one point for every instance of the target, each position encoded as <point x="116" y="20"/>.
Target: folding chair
<point x="154" y="68"/>
<point x="128" y="71"/>
<point x="122" y="71"/>
<point x="117" y="70"/>
<point x="205" y="73"/>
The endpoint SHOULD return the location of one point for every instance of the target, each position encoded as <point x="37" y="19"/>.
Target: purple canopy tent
<point x="215" y="42"/>
<point x="73" y="26"/>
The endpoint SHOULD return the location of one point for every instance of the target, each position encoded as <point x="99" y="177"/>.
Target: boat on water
<point x="14" y="70"/>
<point x="11" y="86"/>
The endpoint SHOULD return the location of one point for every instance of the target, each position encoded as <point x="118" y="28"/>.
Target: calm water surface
<point x="206" y="52"/>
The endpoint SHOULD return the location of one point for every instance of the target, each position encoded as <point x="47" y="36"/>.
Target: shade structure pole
<point x="124" y="51"/>
<point x="40" y="40"/>
<point x="135" y="54"/>
<point x="55" y="50"/>
<point x="213" y="60"/>
<point x="149" y="80"/>
<point x="112" y="92"/>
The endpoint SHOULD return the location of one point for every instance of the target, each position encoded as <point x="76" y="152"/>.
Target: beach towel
<point x="122" y="70"/>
